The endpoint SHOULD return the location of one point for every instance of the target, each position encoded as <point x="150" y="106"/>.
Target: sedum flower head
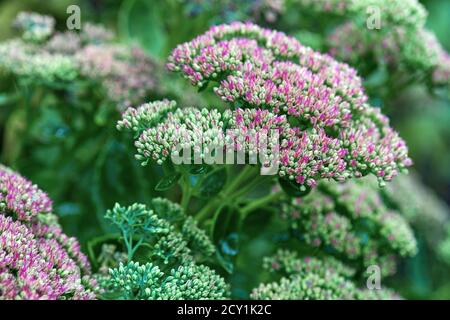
<point x="27" y="60"/>
<point x="127" y="75"/>
<point x="416" y="50"/>
<point x="401" y="42"/>
<point x="187" y="128"/>
<point x="197" y="238"/>
<point x="23" y="199"/>
<point x="66" y="43"/>
<point x="96" y="34"/>
<point x="309" y="287"/>
<point x="420" y="207"/>
<point x="331" y="133"/>
<point x="317" y="105"/>
<point x="310" y="278"/>
<point x="37" y="260"/>
<point x="145" y="116"/>
<point x="34" y="27"/>
<point x="287" y="262"/>
<point x="351" y="220"/>
<point x="394" y="12"/>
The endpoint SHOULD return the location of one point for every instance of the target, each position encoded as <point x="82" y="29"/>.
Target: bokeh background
<point x="158" y="26"/>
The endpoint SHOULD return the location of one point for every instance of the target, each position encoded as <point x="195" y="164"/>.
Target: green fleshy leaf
<point x="226" y="237"/>
<point x="213" y="183"/>
<point x="168" y="182"/>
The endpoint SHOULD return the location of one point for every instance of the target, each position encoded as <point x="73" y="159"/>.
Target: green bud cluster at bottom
<point x="148" y="282"/>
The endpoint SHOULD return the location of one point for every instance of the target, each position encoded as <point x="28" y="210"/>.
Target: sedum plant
<point x="271" y="81"/>
<point x="279" y="178"/>
<point x="37" y="259"/>
<point x="329" y="137"/>
<point x="351" y="222"/>
<point x="387" y="41"/>
<point x="309" y="278"/>
<point x="60" y="58"/>
<point x="399" y="47"/>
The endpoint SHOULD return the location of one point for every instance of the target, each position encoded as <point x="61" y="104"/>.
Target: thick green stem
<point x="223" y="198"/>
<point x="233" y="191"/>
<point x="249" y="187"/>
<point x="241" y="177"/>
<point x="186" y="192"/>
<point x="258" y="203"/>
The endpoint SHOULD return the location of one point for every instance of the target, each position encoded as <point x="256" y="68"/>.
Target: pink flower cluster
<point x="441" y="73"/>
<point x="332" y="132"/>
<point x="20" y="197"/>
<point x="416" y="49"/>
<point x="37" y="260"/>
<point x="128" y="75"/>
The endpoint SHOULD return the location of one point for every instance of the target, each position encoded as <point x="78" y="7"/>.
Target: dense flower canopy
<point x="37" y="260"/>
<point x="318" y="106"/>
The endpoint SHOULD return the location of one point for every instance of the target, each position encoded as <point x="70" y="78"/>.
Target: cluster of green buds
<point x="34" y="27"/>
<point x="164" y="227"/>
<point x="420" y="206"/>
<point x="351" y="221"/>
<point x="172" y="246"/>
<point x="308" y="278"/>
<point x="186" y="282"/>
<point x="393" y="12"/>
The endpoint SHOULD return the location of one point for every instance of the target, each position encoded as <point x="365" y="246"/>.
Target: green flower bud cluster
<point x="310" y="278"/>
<point x="126" y="74"/>
<point x="184" y="128"/>
<point x="429" y="215"/>
<point x="148" y="282"/>
<point x="400" y="41"/>
<point x="197" y="238"/>
<point x="288" y="262"/>
<point x="109" y="257"/>
<point x="172" y="235"/>
<point x="173" y="243"/>
<point x="363" y="201"/>
<point x="311" y="286"/>
<point x="351" y="221"/>
<point x="145" y="116"/>
<point x="26" y="60"/>
<point x="401" y="49"/>
<point x="34" y="27"/>
<point x="393" y="12"/>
